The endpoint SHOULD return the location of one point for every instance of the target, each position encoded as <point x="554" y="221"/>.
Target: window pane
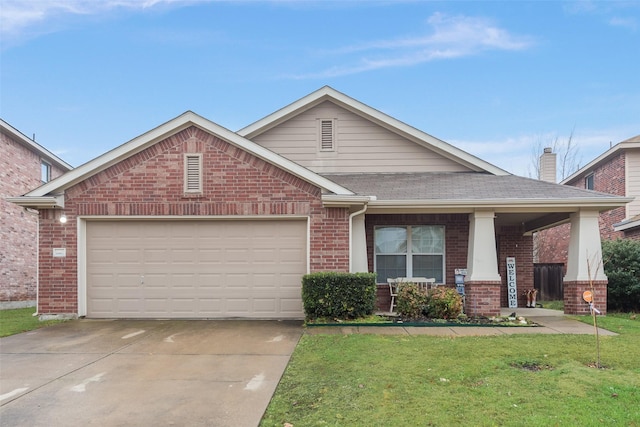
<point x="390" y="267"/>
<point x="428" y="266"/>
<point x="427" y="239"/>
<point x="391" y="240"/>
<point x="45" y="172"/>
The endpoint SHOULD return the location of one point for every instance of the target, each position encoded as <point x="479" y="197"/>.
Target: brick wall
<point x="151" y="183"/>
<point x="19" y="174"/>
<point x="552" y="245"/>
<point x="633" y="234"/>
<point x="610" y="178"/>
<point x="511" y="243"/>
<point x="573" y="297"/>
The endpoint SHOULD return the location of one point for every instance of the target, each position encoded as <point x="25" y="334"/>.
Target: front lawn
<point x="21" y="320"/>
<point x="510" y="380"/>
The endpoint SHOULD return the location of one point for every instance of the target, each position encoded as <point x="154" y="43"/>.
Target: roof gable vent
<point x="193" y="173"/>
<point x="327" y="135"/>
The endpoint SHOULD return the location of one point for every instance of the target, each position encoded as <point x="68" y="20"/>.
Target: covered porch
<point x="475" y="228"/>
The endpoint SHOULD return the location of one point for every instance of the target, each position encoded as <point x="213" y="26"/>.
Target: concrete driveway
<point x="144" y="373"/>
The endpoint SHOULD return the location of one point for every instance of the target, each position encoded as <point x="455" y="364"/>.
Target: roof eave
<point x="45" y="202"/>
<point x="170" y="128"/>
<point x="34" y="146"/>
<point x="506" y="205"/>
<point x="626" y="225"/>
<point x="378" y="117"/>
<point x="337" y="201"/>
<point x="624" y="145"/>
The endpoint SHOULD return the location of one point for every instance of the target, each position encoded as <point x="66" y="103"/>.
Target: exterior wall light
<point x="63" y="218"/>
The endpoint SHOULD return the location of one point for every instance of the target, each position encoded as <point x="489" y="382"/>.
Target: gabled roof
<point x="327" y="93"/>
<point x="185" y="120"/>
<point x="18" y="136"/>
<point x="627" y="144"/>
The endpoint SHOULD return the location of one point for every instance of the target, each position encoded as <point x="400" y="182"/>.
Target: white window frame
<point x="45" y="171"/>
<point x="188" y="170"/>
<point x="590" y="179"/>
<point x="322" y="134"/>
<point x="409" y="254"/>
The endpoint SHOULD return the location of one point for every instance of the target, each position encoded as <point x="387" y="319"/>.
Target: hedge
<point x="338" y="295"/>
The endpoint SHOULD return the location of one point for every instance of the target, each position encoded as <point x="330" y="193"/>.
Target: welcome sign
<point x="511" y="282"/>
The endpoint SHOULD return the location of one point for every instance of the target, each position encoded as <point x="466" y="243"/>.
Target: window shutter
<point x="193" y="173"/>
<point x="326" y="135"/>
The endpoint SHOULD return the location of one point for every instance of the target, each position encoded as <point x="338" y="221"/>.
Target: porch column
<point x="358" y="246"/>
<point x="584" y="264"/>
<point x="482" y="284"/>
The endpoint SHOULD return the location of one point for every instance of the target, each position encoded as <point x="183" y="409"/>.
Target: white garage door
<point x="195" y="269"/>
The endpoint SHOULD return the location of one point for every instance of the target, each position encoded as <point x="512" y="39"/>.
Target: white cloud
<point x="28" y="18"/>
<point x="628" y="23"/>
<point x="448" y="37"/>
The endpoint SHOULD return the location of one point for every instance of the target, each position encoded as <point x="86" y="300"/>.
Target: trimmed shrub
<point x="338" y="295"/>
<point x="443" y="303"/>
<point x="412" y="301"/>
<point x="621" y="260"/>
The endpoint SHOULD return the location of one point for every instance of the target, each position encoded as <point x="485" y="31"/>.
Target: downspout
<point x="361" y="211"/>
<point x="37" y="263"/>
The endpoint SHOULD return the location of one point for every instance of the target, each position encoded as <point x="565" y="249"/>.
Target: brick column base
<point x="482" y="299"/>
<point x="573" y="302"/>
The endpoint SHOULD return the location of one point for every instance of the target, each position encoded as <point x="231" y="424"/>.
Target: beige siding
<point x="633" y="182"/>
<point x="361" y="146"/>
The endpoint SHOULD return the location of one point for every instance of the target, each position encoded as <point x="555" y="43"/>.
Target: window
<point x="327" y="135"/>
<point x="411" y="251"/>
<point x="45" y="171"/>
<point x="193" y="173"/>
<point x="588" y="182"/>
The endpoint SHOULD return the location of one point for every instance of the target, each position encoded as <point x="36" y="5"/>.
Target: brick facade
<point x="19" y="173"/>
<point x="150" y="183"/>
<point x="552" y="245"/>
<point x="574" y="302"/>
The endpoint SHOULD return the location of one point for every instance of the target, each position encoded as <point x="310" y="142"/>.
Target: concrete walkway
<point x="548" y="321"/>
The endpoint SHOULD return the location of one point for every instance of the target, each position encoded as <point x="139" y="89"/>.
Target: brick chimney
<point x="548" y="166"/>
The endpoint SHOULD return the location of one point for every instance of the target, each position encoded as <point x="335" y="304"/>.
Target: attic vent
<point x="193" y="173"/>
<point x="327" y="135"/>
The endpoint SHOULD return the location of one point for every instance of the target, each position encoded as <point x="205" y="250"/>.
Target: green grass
<point x="510" y="380"/>
<point x="552" y="305"/>
<point x="21" y="320"/>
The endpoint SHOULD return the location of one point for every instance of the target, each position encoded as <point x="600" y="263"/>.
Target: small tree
<point x="567" y="161"/>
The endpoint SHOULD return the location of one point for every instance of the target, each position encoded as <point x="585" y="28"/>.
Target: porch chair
<point x="393" y="291"/>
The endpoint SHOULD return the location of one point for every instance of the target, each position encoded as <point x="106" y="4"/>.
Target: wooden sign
<point x="512" y="290"/>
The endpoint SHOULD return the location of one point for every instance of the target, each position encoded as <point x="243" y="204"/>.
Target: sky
<point x="498" y="79"/>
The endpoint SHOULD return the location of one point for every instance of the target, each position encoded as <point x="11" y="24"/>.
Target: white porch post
<point x="358" y="245"/>
<point x="482" y="258"/>
<point x="585" y="251"/>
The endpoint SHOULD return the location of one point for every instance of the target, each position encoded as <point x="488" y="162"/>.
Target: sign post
<point x="511" y="282"/>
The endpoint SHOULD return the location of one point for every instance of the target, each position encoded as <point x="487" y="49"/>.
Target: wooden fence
<point x="547" y="279"/>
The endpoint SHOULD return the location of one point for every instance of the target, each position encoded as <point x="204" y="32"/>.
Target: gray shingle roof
<point x="458" y="186"/>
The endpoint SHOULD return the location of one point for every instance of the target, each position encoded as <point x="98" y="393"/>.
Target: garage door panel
<point x="195" y="269"/>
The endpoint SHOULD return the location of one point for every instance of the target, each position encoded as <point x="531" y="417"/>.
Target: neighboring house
<point x="617" y="172"/>
<point x="24" y="165"/>
<point x="191" y="220"/>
